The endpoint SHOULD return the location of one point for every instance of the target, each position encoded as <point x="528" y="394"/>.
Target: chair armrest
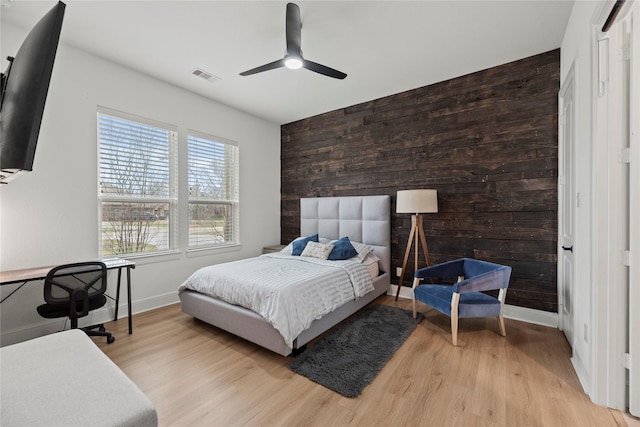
<point x="492" y="280"/>
<point x="446" y="269"/>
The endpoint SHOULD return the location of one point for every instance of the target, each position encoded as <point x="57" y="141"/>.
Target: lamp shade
<point x="417" y="201"/>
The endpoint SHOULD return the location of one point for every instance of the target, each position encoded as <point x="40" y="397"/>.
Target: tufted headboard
<point x="365" y="219"/>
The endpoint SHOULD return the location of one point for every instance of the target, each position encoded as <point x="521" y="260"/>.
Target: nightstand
<point x="273" y="248"/>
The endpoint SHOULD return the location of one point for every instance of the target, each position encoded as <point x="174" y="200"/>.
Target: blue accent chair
<point x="464" y="298"/>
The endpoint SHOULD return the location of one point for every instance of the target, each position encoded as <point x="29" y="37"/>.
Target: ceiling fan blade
<point x="293" y="28"/>
<point x="266" y="67"/>
<point x="322" y="69"/>
<point x="294" y="51"/>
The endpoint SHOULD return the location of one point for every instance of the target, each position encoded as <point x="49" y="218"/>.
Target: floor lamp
<point x="415" y="202"/>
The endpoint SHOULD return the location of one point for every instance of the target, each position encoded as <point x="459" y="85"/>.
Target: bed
<point x="363" y="219"/>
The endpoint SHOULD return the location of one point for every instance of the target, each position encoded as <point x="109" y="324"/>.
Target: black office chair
<point x="72" y="290"/>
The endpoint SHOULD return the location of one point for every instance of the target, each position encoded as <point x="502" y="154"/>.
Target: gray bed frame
<point x="363" y="219"/>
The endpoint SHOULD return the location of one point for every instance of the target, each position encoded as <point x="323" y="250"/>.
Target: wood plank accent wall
<point x="487" y="141"/>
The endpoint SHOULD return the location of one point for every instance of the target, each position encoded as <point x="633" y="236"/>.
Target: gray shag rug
<point x="348" y="359"/>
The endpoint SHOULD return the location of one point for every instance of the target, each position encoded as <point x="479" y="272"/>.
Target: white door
<point x="566" y="208"/>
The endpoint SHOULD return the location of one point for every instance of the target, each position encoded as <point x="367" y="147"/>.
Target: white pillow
<point x="362" y="250"/>
<point x="370" y="258"/>
<point x="289" y="248"/>
<point x="317" y="250"/>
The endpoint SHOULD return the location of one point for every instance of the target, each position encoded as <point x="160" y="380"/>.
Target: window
<point x="213" y="191"/>
<point x="137" y="179"/>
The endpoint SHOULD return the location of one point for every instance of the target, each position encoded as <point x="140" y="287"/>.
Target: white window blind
<point x="137" y="179"/>
<point x="213" y="174"/>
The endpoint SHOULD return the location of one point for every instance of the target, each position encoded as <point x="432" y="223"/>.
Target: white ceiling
<point x="385" y="47"/>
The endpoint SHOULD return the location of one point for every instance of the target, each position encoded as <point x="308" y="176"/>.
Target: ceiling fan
<point x="293" y="58"/>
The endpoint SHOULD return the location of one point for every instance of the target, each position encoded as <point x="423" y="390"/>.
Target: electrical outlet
<point x="398" y="271"/>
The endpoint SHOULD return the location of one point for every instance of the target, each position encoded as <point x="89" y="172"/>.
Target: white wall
<point x="49" y="216"/>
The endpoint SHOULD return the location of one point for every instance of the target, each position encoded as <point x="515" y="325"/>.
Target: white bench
<point x="64" y="379"/>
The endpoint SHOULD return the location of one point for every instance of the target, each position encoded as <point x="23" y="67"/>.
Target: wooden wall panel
<point x="487" y="141"/>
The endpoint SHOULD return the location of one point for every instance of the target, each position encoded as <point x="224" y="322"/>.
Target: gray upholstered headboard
<point x="365" y="219"/>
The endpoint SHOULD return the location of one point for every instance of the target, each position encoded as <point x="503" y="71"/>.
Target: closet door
<point x="566" y="212"/>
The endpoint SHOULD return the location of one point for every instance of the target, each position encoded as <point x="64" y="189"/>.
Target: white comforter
<point x="287" y="291"/>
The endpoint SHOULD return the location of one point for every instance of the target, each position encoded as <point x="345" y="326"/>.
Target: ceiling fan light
<point x="293" y="62"/>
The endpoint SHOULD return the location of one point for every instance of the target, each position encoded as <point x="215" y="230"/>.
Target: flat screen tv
<point x="23" y="93"/>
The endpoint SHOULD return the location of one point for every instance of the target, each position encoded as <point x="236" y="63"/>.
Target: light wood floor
<point x="197" y="375"/>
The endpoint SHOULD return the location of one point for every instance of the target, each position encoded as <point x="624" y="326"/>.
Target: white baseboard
<point x="103" y="315"/>
<point x="147" y="304"/>
<point x="106" y="314"/>
<point x="582" y="373"/>
<point x="405" y="291"/>
<point x="529" y="315"/>
<point x="514" y="312"/>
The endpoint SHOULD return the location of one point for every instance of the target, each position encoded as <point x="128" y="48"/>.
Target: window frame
<point x="171" y="198"/>
<point x="232" y="192"/>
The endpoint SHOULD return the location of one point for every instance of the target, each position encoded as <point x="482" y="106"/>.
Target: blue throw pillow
<point x="298" y="245"/>
<point x="342" y="249"/>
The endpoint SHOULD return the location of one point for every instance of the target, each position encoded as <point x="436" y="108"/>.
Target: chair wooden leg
<point x="503" y="331"/>
<point x="455" y="299"/>
<point x="501" y="297"/>
<point x="416" y="282"/>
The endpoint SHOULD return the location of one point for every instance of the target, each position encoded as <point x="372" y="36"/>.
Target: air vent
<point x="205" y="75"/>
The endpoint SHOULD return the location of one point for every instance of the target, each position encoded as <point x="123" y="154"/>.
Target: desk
<point x="27" y="275"/>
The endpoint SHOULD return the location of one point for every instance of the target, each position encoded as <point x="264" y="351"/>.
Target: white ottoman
<point x="64" y="379"/>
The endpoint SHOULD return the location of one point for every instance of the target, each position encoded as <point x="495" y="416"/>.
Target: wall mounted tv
<point x="23" y="93"/>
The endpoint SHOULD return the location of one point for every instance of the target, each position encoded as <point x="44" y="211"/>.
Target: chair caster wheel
<point x="110" y="340"/>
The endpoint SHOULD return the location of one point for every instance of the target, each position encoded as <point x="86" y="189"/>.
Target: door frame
<point x="634" y="212"/>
